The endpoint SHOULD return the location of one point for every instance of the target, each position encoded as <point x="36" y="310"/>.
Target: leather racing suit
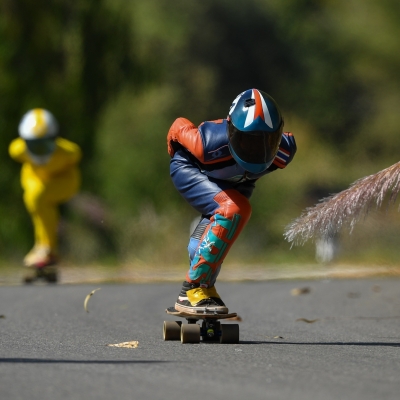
<point x="208" y="177"/>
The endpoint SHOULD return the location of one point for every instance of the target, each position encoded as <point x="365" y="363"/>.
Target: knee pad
<point x="232" y="203"/>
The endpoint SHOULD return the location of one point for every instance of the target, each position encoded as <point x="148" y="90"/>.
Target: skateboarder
<point x="215" y="167"/>
<point x="49" y="177"/>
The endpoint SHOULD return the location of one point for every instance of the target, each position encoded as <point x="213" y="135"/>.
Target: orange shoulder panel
<point x="185" y="133"/>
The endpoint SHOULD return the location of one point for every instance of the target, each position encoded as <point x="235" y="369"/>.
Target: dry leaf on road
<point x="88" y="297"/>
<point x="299" y="291"/>
<point x="127" y="345"/>
<point x="309" y="321"/>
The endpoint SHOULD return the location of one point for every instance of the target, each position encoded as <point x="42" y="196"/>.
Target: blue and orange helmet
<point x="255" y="130"/>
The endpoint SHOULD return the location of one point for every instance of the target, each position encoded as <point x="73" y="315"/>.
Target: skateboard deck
<point x="197" y="316"/>
<point x="210" y="329"/>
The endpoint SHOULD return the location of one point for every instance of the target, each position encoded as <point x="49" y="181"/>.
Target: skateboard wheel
<point x="51" y="275"/>
<point x="190" y="333"/>
<point x="172" y="330"/>
<point x="229" y="333"/>
<point x="30" y="276"/>
<point x="48" y="274"/>
<point x="28" y="280"/>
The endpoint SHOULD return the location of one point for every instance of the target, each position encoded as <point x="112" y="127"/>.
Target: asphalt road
<point x="339" y="340"/>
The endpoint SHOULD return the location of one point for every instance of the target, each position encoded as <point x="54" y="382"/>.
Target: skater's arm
<point x="17" y="150"/>
<point x="184" y="133"/>
<point x="66" y="156"/>
<point x="286" y="152"/>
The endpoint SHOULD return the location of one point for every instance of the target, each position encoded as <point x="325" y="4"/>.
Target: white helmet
<point x="38" y="124"/>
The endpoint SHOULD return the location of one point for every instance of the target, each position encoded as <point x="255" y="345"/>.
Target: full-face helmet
<point x="39" y="128"/>
<point x="255" y="130"/>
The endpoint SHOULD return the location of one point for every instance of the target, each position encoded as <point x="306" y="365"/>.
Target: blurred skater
<point x="49" y="177"/>
<point x="215" y="167"/>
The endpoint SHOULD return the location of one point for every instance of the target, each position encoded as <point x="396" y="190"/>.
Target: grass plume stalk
<point x="346" y="208"/>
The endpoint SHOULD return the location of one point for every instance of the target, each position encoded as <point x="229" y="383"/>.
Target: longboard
<point x="209" y="330"/>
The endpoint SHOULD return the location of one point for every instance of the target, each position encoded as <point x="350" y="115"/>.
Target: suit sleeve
<point x="66" y="156"/>
<point x="17" y="150"/>
<point x="287" y="150"/>
<point x="184" y="133"/>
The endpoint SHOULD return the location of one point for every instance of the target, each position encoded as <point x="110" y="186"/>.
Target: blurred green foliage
<point x="116" y="73"/>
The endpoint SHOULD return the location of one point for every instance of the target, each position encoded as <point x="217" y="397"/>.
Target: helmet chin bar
<point x="39" y="160"/>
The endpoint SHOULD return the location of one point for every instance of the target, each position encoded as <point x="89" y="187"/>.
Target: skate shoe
<point x="40" y="257"/>
<point x="195" y="299"/>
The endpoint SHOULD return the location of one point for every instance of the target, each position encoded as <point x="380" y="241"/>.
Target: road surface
<point x="300" y="339"/>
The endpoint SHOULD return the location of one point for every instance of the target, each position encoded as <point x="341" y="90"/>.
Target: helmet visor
<point x="257" y="147"/>
<point x="41" y="147"/>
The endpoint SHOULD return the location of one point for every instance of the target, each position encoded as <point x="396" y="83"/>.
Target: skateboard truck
<point x="209" y="328"/>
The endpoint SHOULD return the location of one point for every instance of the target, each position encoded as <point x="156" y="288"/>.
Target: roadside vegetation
<point x="116" y="73"/>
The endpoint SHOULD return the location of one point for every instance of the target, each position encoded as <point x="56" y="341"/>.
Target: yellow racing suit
<point x="47" y="182"/>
